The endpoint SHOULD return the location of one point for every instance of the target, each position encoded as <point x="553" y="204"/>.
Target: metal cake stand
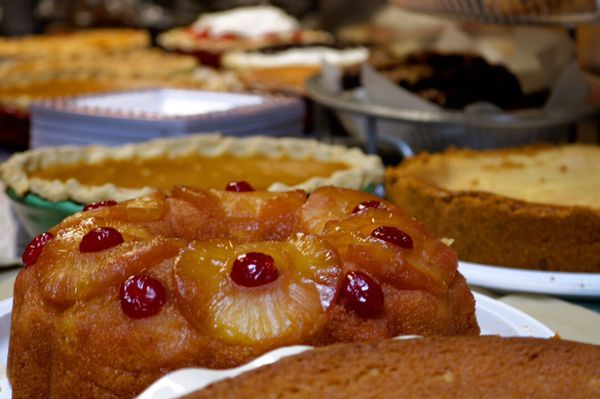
<point x="434" y="122"/>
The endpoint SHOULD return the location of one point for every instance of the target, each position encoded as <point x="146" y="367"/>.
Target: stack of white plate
<point x="132" y="116"/>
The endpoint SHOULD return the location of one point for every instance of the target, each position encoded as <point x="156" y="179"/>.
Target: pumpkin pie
<point x="535" y="207"/>
<point x="97" y="173"/>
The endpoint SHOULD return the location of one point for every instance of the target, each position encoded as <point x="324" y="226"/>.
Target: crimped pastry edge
<point x="363" y="169"/>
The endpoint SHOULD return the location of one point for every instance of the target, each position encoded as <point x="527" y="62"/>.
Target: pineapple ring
<point x="290" y="309"/>
<point x="67" y="275"/>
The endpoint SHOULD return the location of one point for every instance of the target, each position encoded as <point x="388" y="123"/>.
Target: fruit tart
<point x="242" y="28"/>
<point x="122" y="293"/>
<point x="535" y="207"/>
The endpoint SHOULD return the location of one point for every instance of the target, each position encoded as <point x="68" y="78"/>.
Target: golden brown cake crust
<point x="436" y="367"/>
<point x="496" y="230"/>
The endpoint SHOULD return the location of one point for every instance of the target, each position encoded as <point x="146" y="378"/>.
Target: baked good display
<point x="89" y="62"/>
<point x="74" y="44"/>
<point x="97" y="173"/>
<point x="533" y="207"/>
<point x="435" y="367"/>
<point x="453" y="80"/>
<point x="539" y="7"/>
<point x="238" y="29"/>
<point x="20" y="94"/>
<point x="136" y="63"/>
<point x="120" y="294"/>
<point x="28" y="80"/>
<point x="20" y="82"/>
<point x="286" y="67"/>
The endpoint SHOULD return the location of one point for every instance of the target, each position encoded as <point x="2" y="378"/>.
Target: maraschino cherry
<point x="241" y="186"/>
<point x="254" y="269"/>
<point x="35" y="247"/>
<point x="366" y="205"/>
<point x="99" y="239"/>
<point x="142" y="296"/>
<point x="99" y="204"/>
<point x="394" y="236"/>
<point x="362" y="294"/>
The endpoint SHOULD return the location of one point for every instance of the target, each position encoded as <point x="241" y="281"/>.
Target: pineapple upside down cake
<point x="116" y="296"/>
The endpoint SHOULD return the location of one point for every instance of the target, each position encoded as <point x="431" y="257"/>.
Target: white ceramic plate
<point x="494" y="317"/>
<point x="165" y="105"/>
<point x="579" y="285"/>
<point x="131" y="116"/>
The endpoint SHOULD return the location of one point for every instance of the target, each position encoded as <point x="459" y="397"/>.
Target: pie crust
<point x="362" y="169"/>
<point x="140" y="63"/>
<point x="84" y="43"/>
<point x="491" y="228"/>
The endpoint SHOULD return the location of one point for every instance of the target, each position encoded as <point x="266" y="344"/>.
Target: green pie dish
<point x="38" y="214"/>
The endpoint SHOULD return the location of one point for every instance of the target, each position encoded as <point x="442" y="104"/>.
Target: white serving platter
<point x="130" y="116"/>
<point x="494" y="317"/>
<point x="573" y="285"/>
<point x="164" y="104"/>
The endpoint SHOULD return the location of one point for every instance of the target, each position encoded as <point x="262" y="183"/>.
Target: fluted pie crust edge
<point x="362" y="169"/>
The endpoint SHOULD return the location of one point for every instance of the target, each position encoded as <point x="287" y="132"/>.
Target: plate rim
<point x="67" y="106"/>
<point x="535" y="328"/>
<point x="564" y="284"/>
<point x="6" y="306"/>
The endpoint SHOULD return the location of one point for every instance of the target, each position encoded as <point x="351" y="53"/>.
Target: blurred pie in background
<point x="539" y="7"/>
<point x="285" y="68"/>
<point x="238" y="29"/>
<point x="85" y="62"/>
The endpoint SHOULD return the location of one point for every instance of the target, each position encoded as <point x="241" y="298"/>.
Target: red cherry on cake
<point x="298" y="36"/>
<point x="394" y="236"/>
<point x="99" y="239"/>
<point x="254" y="269"/>
<point x="142" y="296"/>
<point x="239" y="186"/>
<point x="99" y="204"/>
<point x="366" y="205"/>
<point x="35" y="247"/>
<point x="362" y="294"/>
